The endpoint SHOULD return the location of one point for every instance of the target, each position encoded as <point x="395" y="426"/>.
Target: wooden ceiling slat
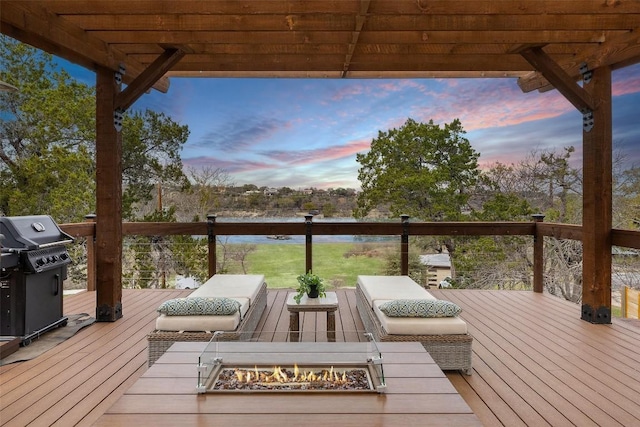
<point x="440" y="7"/>
<point x="343" y="22"/>
<point x="357" y="74"/>
<point x="330" y="37"/>
<point x="236" y="37"/>
<point x="625" y="21"/>
<point x="484" y="63"/>
<point x="207" y="7"/>
<point x="336" y="48"/>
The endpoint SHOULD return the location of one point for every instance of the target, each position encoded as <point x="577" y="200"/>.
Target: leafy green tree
<point x="59" y="182"/>
<point x="47" y="142"/>
<point x="148" y="260"/>
<point x="151" y="144"/>
<point x="309" y="206"/>
<point x="328" y="210"/>
<point x="47" y="129"/>
<point x="561" y="181"/>
<point x="417" y="271"/>
<point x="496" y="262"/>
<point x="419" y="169"/>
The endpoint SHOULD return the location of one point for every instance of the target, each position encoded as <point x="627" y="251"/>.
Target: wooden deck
<point x="535" y="362"/>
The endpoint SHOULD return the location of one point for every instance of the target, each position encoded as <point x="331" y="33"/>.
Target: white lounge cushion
<point x="198" y="323"/>
<point x="391" y="287"/>
<point x="243" y="288"/>
<point x="231" y="286"/>
<point x="419" y="325"/>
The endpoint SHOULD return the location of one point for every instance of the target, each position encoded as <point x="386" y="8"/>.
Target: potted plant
<point x="310" y="284"/>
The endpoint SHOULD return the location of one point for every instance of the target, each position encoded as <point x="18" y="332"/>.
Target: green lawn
<point x="338" y="263"/>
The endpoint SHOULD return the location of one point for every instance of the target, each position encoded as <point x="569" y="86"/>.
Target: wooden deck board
<point x="567" y="363"/>
<point x="535" y="363"/>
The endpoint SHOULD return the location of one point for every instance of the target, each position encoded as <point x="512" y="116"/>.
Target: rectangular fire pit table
<point x="417" y="394"/>
<point x="328" y="303"/>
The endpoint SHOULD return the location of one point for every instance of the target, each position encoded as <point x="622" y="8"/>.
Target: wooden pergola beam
<point x="148" y="78"/>
<point x="108" y="201"/>
<point x="575" y="94"/>
<point x="597" y="206"/>
<point x="616" y="52"/>
<point x="360" y="19"/>
<point x="597" y="176"/>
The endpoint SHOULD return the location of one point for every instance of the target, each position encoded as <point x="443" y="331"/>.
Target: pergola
<point x="570" y="45"/>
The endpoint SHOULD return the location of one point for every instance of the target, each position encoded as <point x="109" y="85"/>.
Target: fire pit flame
<point x="279" y="375"/>
<point x="292" y="378"/>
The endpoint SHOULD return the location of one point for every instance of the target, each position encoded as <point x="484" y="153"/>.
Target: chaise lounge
<point x="395" y="308"/>
<point x="231" y="303"/>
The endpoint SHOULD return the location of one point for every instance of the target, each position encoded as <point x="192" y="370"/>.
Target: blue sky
<point x="306" y="133"/>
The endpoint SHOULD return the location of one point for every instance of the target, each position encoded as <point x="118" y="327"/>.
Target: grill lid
<point x="27" y="233"/>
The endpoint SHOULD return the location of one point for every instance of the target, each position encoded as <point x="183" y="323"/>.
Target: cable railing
<point x="486" y="255"/>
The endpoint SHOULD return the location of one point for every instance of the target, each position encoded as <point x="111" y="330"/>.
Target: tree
<point x="151" y="144"/>
<point x="47" y="129"/>
<point x="203" y="196"/>
<point x="626" y="199"/>
<point x="47" y="141"/>
<point x="422" y="170"/>
<point x="554" y="188"/>
<point x="419" y="169"/>
<point x="561" y="181"/>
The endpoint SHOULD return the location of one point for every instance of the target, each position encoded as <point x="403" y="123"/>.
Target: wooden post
<point x="623" y="302"/>
<point x="91" y="255"/>
<point x="211" y="239"/>
<point x="308" y="220"/>
<point x="597" y="203"/>
<point x="538" y="256"/>
<point x="404" y="246"/>
<point x="108" y="201"/>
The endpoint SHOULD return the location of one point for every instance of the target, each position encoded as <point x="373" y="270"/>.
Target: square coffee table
<point x="328" y="304"/>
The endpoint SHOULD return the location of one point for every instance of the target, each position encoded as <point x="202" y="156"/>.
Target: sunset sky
<point x="306" y="133"/>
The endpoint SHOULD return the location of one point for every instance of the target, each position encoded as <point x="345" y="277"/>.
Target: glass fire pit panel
<point x="272" y="363"/>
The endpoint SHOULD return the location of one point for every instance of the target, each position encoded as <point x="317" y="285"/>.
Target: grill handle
<point x="60" y="242"/>
<point x="56" y="284"/>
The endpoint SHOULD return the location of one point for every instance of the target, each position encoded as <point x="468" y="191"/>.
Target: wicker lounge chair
<point x="451" y="351"/>
<point x="160" y="340"/>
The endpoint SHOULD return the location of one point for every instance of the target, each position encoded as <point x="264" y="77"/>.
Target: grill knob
<point x="41" y="261"/>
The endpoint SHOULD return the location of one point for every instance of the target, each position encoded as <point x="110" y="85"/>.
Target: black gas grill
<point x="33" y="268"/>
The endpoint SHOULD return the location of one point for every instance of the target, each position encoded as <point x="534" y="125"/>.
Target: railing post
<point x="211" y="240"/>
<point x="404" y="246"/>
<point x="538" y="255"/>
<point x="91" y="254"/>
<point x="308" y="220"/>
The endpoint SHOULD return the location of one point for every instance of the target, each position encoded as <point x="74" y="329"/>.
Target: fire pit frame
<point x="219" y="355"/>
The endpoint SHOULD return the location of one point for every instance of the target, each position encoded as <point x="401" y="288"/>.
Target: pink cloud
<point x="303" y="157"/>
<point x="231" y="166"/>
<point x="480" y="104"/>
<point x="628" y="85"/>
